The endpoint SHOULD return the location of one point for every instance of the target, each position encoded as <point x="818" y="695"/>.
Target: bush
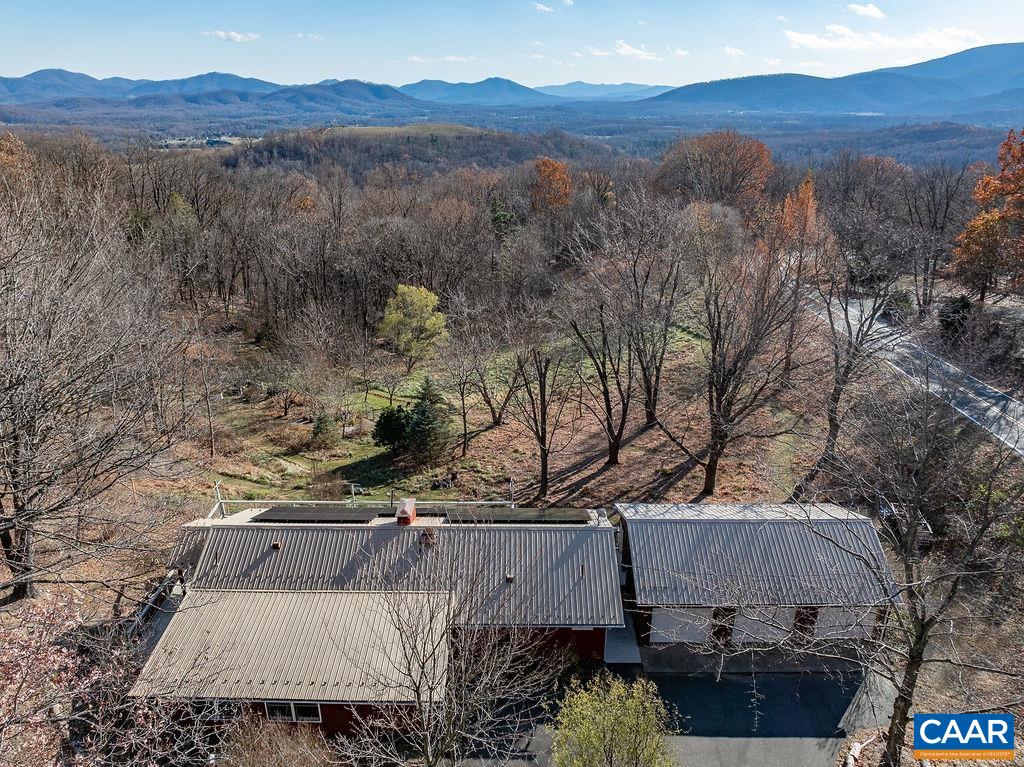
<point x="610" y="722"/>
<point x="391" y="428"/>
<point x="257" y="743"/>
<point x="954" y="317"/>
<point x="326" y="433"/>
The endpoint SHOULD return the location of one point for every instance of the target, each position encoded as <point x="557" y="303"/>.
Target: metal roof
<point x="549" y="575"/>
<point x="691" y="555"/>
<point x="312" y="646"/>
<point x="754" y="511"/>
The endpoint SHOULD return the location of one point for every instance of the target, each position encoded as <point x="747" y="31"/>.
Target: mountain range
<point x="979" y="86"/>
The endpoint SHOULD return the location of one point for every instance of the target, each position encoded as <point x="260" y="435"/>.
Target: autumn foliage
<point x="724" y="167"/>
<point x="551" y="192"/>
<point x="991" y="246"/>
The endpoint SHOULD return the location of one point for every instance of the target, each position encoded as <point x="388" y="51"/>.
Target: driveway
<point x="799" y="720"/>
<point x="770" y="720"/>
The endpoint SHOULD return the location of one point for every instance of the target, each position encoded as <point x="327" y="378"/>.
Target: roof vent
<point x="276" y="545"/>
<point x="510" y="578"/>
<point x="428" y="538"/>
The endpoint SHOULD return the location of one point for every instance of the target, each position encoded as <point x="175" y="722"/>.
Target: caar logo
<point x="963" y="736"/>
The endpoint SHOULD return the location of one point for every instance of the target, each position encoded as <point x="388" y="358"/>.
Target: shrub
<point x="391" y="428"/>
<point x="954" y="317"/>
<point x="612" y="723"/>
<point x="326" y="433"/>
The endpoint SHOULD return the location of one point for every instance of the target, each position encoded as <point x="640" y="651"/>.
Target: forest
<point x="447" y="313"/>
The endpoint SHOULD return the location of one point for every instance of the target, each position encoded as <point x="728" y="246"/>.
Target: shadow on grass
<point x="374" y="473"/>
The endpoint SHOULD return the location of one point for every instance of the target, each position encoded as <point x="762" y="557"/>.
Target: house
<point x="300" y="609"/>
<point x="753" y="574"/>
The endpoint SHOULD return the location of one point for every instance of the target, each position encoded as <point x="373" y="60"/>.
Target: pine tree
<point x="429" y="424"/>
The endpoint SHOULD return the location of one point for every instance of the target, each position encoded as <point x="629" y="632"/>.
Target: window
<point x="279" y="712"/>
<point x="293" y="712"/>
<point x="722" y="621"/>
<point x="805" y="621"/>
<point x="306" y="712"/>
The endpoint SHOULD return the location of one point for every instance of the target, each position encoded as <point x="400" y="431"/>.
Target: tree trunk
<point x="900" y="718"/>
<point x="711" y="472"/>
<point x="613" y="450"/>
<point x="465" y="423"/>
<point x="543" y="472"/>
<point x="18" y="553"/>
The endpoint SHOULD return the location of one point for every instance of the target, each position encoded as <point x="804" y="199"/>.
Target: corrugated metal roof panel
<point x="680" y="559"/>
<point x="760" y="512"/>
<point x="536" y="576"/>
<point x="312" y="646"/>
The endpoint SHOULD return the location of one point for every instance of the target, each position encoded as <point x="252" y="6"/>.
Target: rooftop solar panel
<point x="320" y="513"/>
<point x="510" y="516"/>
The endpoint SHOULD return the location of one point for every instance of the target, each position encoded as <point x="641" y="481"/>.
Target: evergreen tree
<point x="429" y="424"/>
<point x="391" y="429"/>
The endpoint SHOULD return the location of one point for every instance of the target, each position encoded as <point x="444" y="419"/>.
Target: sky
<point x="535" y="42"/>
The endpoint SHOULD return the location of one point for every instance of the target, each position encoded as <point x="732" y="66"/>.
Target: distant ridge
<point x="931" y="87"/>
<point x="494" y="91"/>
<point x="581" y="91"/>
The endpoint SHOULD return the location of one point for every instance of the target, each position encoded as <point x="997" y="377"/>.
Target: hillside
<point x="423" y="149"/>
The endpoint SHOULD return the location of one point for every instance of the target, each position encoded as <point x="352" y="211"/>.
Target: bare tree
<point x="609" y="379"/>
<point x="477" y="675"/>
<point x="547" y="370"/>
<point x="748" y="307"/>
<point x="946" y="497"/>
<point x="634" y="257"/>
<point x="92" y="377"/>
<point x="856" y="278"/>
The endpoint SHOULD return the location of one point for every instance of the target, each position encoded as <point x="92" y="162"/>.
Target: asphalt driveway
<point x="770" y="720"/>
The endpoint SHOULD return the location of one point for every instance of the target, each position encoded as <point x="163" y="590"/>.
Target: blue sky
<point x="536" y="42"/>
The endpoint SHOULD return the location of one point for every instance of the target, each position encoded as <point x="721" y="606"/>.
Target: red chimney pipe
<point x="406" y="511"/>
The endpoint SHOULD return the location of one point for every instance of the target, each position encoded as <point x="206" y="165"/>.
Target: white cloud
<point x="622" y="48"/>
<point x="642" y="23"/>
<point x="231" y="36"/>
<point x="773" y="62"/>
<point x="568" y="2"/>
<point x="678" y="52"/>
<point x="783" y="19"/>
<point x="870" y="10"/>
<point x="536" y="44"/>
<point x="545" y="59"/>
<point x="309" y="36"/>
<point x="730" y="51"/>
<point x="840" y="38"/>
<point x="577" y="55"/>
<point x="543" y="8"/>
<point x="440" y="60"/>
<point x="810" y="64"/>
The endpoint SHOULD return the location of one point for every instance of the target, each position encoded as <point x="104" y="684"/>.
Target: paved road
<point x="996" y="412"/>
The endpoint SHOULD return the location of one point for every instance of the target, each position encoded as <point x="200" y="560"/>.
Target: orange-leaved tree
<point x="551" y="192"/>
<point x="991" y="247"/>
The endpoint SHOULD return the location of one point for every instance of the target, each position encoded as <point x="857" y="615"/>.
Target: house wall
<point x="587" y="643"/>
<point x="763" y="624"/>
<point x="845" y="622"/>
<point x="335" y="718"/>
<point x="758" y="624"/>
<point x="680" y="624"/>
